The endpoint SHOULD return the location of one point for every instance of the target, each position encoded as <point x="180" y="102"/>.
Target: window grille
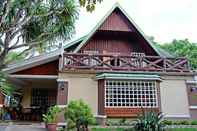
<point x="43" y="97"/>
<point x="130" y="94"/>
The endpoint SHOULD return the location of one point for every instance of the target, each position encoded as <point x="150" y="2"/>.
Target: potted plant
<point x="50" y="118"/>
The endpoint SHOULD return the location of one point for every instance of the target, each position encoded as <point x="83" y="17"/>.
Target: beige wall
<point x="82" y="86"/>
<point x="26" y="100"/>
<point x="174" y="99"/>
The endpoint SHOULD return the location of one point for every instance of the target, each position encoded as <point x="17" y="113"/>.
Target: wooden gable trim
<point x="117" y="21"/>
<point x="50" y="68"/>
<point x="117" y="5"/>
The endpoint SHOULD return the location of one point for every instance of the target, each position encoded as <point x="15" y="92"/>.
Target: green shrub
<point x="184" y="122"/>
<point x="149" y="121"/>
<point x="194" y="122"/>
<point x="78" y="114"/>
<point x="176" y="123"/>
<point x="111" y="122"/>
<point x="51" y="115"/>
<point x="181" y="122"/>
<point x="119" y="122"/>
<point x="122" y="121"/>
<point x="167" y="122"/>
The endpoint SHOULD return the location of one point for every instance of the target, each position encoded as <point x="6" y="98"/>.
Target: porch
<point x="35" y="94"/>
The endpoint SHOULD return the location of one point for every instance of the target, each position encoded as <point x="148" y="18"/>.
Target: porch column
<point x="62" y="98"/>
<point x="101" y="117"/>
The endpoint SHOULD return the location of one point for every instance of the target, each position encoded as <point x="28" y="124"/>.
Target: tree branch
<point x="18" y="55"/>
<point x="17" y="41"/>
<point x="28" y="44"/>
<point x="7" y="9"/>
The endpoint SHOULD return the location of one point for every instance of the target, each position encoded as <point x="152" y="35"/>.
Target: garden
<point x="79" y="117"/>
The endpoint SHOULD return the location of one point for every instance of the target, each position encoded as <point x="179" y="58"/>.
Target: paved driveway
<point x="21" y="128"/>
<point x="2" y="128"/>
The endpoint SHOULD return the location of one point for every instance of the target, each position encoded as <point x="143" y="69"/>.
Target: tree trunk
<point x="5" y="51"/>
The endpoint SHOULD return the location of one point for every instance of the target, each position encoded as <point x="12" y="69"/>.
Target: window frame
<point x="133" y="105"/>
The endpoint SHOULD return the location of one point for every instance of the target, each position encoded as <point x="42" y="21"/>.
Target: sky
<point x="164" y="19"/>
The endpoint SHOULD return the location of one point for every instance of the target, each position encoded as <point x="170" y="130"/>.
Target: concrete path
<point x="22" y="128"/>
<point x="2" y="128"/>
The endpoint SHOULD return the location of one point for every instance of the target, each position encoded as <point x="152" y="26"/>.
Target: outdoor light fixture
<point x="61" y="85"/>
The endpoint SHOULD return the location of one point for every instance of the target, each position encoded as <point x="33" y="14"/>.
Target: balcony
<point x="103" y="62"/>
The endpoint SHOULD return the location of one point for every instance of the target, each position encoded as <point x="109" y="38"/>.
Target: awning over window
<point x="127" y="76"/>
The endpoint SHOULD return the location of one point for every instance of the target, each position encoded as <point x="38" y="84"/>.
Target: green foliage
<point x="27" y="24"/>
<point x="78" y="111"/>
<point x="179" y="122"/>
<point x="122" y="121"/>
<point x="89" y="4"/>
<point x="194" y="122"/>
<point x="183" y="48"/>
<point x="5" y="86"/>
<point x="184" y="122"/>
<point x="14" y="56"/>
<point x="149" y="121"/>
<point x="181" y="129"/>
<point x="53" y="17"/>
<point x="167" y="122"/>
<point x="119" y="122"/>
<point x="112" y="129"/>
<point x="51" y="115"/>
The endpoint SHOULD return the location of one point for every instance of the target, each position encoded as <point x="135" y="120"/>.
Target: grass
<point x="182" y="129"/>
<point x="110" y="129"/>
<point x="121" y="129"/>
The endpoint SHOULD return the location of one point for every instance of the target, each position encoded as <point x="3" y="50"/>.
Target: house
<point x="115" y="69"/>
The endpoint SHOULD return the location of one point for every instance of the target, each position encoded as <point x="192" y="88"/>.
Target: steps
<point x="24" y="128"/>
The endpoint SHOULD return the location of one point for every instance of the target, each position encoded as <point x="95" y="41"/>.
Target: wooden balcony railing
<point x="102" y="62"/>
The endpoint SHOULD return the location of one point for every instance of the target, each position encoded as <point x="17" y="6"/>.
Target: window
<point x="130" y="93"/>
<point x="43" y="97"/>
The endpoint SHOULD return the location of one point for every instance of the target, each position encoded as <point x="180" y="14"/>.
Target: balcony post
<point x="164" y="64"/>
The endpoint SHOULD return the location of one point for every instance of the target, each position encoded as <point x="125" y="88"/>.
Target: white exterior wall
<point x="174" y="98"/>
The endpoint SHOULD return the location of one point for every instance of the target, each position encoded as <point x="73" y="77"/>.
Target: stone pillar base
<point x="60" y="119"/>
<point x="101" y="120"/>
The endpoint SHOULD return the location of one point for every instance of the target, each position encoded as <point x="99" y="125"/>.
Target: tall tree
<point x="89" y="4"/>
<point x="183" y="48"/>
<point x="25" y="24"/>
<point x="30" y="24"/>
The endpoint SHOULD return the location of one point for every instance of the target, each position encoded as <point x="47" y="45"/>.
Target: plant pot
<point x="51" y="126"/>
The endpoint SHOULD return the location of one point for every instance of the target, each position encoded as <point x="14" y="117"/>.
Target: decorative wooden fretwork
<point x="136" y="61"/>
<point x="91" y="62"/>
<point x="111" y="62"/>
